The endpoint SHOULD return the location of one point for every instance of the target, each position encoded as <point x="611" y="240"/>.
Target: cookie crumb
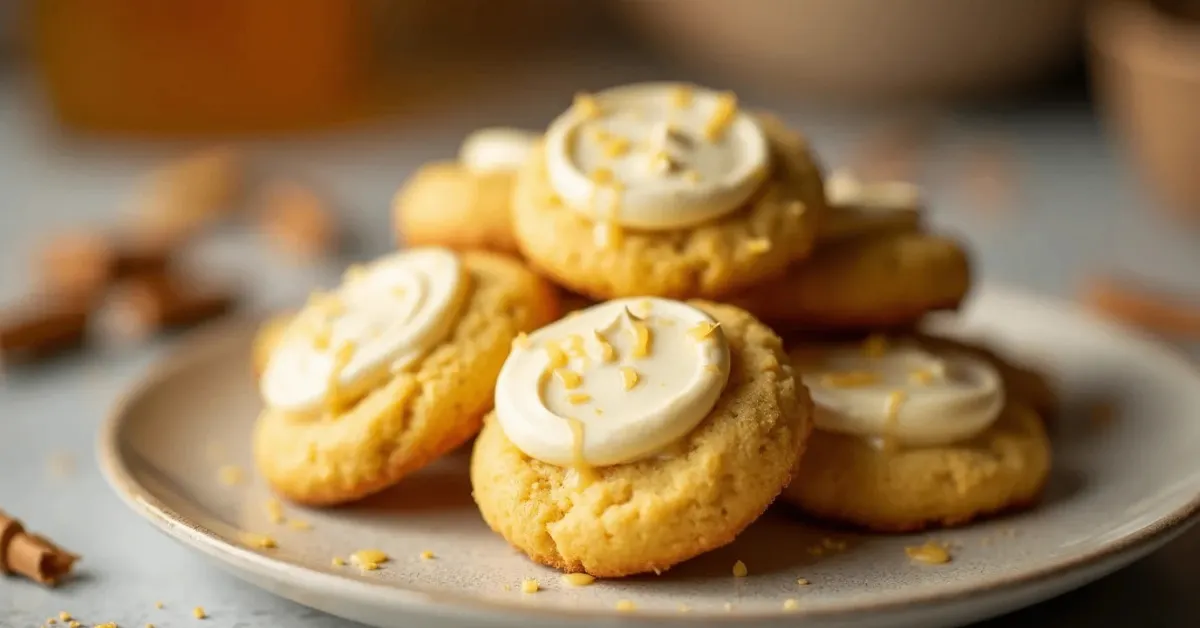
<point x="427" y="555"/>
<point x="64" y="615"/>
<point x="930" y="553"/>
<point x="530" y="586"/>
<point x="260" y="541"/>
<point x="51" y="620"/>
<point x="506" y="587"/>
<point x="371" y="557"/>
<point x="739" y="570"/>
<point x="578" y="579"/>
<point x="74" y="624"/>
<point x="230" y="475"/>
<point x="158" y="605"/>
<point x="337" y="562"/>
<point x="625" y="606"/>
<point x="199" y="613"/>
<point x="790" y="604"/>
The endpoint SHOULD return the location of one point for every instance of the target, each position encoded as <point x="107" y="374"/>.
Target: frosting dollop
<point x="612" y="384"/>
<point x="496" y="149"/>
<point x="902" y="394"/>
<point x="656" y="156"/>
<point x="382" y="319"/>
<point x="857" y="207"/>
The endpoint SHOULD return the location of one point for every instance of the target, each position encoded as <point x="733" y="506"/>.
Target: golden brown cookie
<point x="446" y="204"/>
<point x="738" y="250"/>
<point x="647" y="515"/>
<point x="845" y="479"/>
<point x="419" y="413"/>
<point x="884" y="281"/>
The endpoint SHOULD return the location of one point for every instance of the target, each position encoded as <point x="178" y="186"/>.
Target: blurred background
<point x="1059" y="136"/>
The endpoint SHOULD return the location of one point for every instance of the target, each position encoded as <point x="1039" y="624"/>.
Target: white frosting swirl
<point x="613" y="383"/>
<point x="383" y="318"/>
<point x="656" y="156"/>
<point x="903" y="394"/>
<point x="496" y="149"/>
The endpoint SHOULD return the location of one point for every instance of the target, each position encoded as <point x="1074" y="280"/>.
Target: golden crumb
<point x="578" y="579"/>
<point x="930" y="553"/>
<point x="51" y="620"/>
<point x="739" y="570"/>
<point x="681" y="96"/>
<point x="530" y="586"/>
<point x="790" y="604"/>
<point x="921" y="377"/>
<point x="587" y="106"/>
<point x="261" y="541"/>
<point x="337" y="562"/>
<point x="625" y="606"/>
<point x="158" y="605"/>
<point x="616" y="146"/>
<point x="199" y="613"/>
<point x="570" y="379"/>
<point x="722" y="116"/>
<point x="803" y="582"/>
<point x="629" y="377"/>
<point x="702" y="330"/>
<point x="427" y="555"/>
<point x="297" y="524"/>
<point x="365" y="557"/>
<point x="64" y="615"/>
<point x="74" y="624"/>
<point x="578" y="398"/>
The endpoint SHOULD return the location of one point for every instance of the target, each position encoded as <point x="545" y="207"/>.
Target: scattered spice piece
<point x="31" y="555"/>
<point x="930" y="553"/>
<point x="578" y="579"/>
<point x="739" y="570"/>
<point x="199" y="613"/>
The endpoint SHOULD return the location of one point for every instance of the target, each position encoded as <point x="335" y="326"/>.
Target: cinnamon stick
<point x="31" y="555"/>
<point x="1144" y="307"/>
<point x="148" y="304"/>
<point x="42" y="328"/>
<point x="84" y="265"/>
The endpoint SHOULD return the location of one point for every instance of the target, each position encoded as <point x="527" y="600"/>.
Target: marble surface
<point x="1076" y="211"/>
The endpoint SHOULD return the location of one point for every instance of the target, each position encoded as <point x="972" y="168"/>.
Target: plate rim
<point x="198" y="346"/>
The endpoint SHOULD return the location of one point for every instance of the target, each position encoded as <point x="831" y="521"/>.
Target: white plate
<point x="1120" y="489"/>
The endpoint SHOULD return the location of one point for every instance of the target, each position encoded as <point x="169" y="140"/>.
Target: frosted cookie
<point x="390" y="371"/>
<point x="909" y="437"/>
<point x="637" y="434"/>
<point x="881" y="281"/>
<point x="665" y="189"/>
<point x="857" y="208"/>
<point x="465" y="204"/>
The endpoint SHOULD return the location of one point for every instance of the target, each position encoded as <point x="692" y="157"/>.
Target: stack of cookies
<point x="662" y="414"/>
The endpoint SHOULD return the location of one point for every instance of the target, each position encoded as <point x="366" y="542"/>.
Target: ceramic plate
<point x="1125" y="482"/>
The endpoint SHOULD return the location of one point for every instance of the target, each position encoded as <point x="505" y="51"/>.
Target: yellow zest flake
<point x="321" y="337"/>
<point x="297" y="524"/>
<point x="681" y="96"/>
<point x="199" y="613"/>
<point x="607" y="354"/>
<point x="739" y="570"/>
<point x="260" y="541"/>
<point x="625" y="606"/>
<point x="629" y="376"/>
<point x="587" y="106"/>
<point x="578" y="579"/>
<point x="922" y="377"/>
<point x="558" y="357"/>
<point x="337" y="562"/>
<point x="616" y="146"/>
<point x="340" y="359"/>
<point x="641" y="339"/>
<point x="930" y="553"/>
<point x="661" y="161"/>
<point x="758" y="246"/>
<point x="575" y="346"/>
<point x="722" y="115"/>
<point x="602" y="176"/>
<point x="790" y="604"/>
<point x="702" y="330"/>
<point x="521" y="341"/>
<point x="427" y="555"/>
<point x="692" y="176"/>
<point x="578" y="398"/>
<point x="554" y="200"/>
<point x="371" y="557"/>
<point x="230" y="475"/>
<point x="875" y="346"/>
<point x="530" y="586"/>
<point x="570" y="379"/>
<point x="274" y="510"/>
<point x="849" y="379"/>
<point x="598" y="411"/>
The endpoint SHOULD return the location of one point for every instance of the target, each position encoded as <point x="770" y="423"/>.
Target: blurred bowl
<point x="1146" y="70"/>
<point x="865" y="49"/>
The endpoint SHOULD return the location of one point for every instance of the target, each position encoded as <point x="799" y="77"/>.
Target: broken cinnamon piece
<point x="146" y="305"/>
<point x="1144" y="307"/>
<point x="185" y="196"/>
<point x="84" y="265"/>
<point x="297" y="220"/>
<point x="31" y="555"/>
<point x="42" y="328"/>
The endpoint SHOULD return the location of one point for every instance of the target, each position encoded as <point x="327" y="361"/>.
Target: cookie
<point x="390" y="372"/>
<point x="465" y="204"/>
<point x="857" y="208"/>
<point x="909" y="438"/>
<point x="666" y="190"/>
<point x="671" y="451"/>
<point x="883" y="281"/>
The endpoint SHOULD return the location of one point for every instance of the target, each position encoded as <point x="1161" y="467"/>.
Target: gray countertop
<point x="1076" y="211"/>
